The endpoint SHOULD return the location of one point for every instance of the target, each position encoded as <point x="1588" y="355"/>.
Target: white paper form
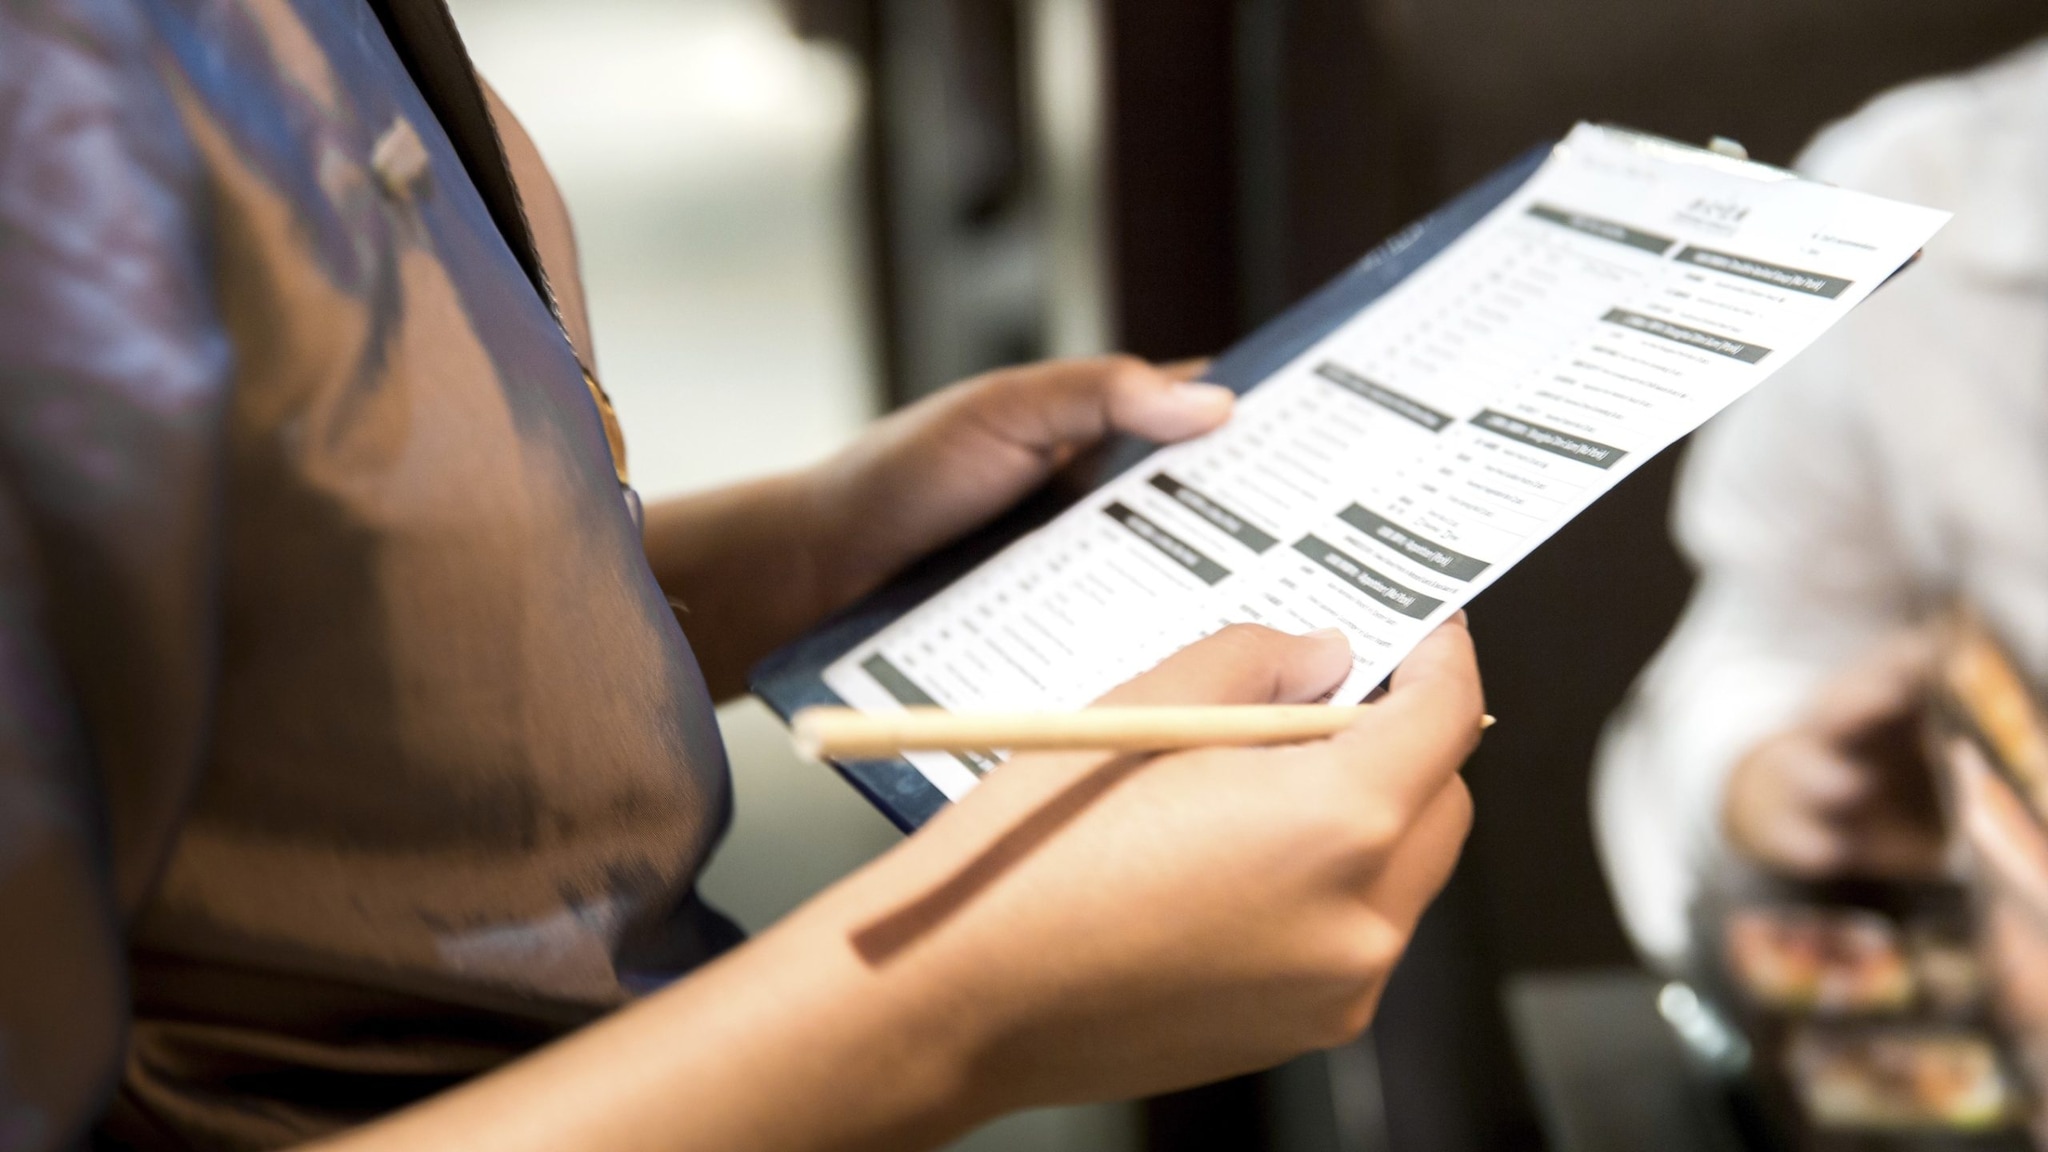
<point x="1625" y="293"/>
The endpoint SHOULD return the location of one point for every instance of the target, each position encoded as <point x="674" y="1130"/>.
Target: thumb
<point x="1244" y="664"/>
<point x="1066" y="403"/>
<point x="1165" y="406"/>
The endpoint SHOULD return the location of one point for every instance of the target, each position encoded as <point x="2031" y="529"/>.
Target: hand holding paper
<point x="1191" y="915"/>
<point x="952" y="461"/>
<point x="912" y="483"/>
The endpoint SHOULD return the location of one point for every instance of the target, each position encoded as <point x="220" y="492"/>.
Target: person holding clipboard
<point x="354" y="769"/>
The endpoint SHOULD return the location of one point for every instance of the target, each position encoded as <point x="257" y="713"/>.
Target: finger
<point x="1065" y="403"/>
<point x="1244" y="664"/>
<point x="1191" y="369"/>
<point x="1768" y="819"/>
<point x="1408" y="878"/>
<point x="1421" y="863"/>
<point x="1803" y="846"/>
<point x="1435" y="696"/>
<point x="1823" y="782"/>
<point x="1404" y="748"/>
<point x="1178" y="410"/>
<point x="1445" y="656"/>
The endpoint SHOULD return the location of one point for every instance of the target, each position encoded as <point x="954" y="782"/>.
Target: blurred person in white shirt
<point x="1899" y="466"/>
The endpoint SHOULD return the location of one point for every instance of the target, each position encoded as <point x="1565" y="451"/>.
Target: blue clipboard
<point x="793" y="678"/>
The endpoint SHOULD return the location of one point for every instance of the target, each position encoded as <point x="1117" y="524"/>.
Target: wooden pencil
<point x="845" y="733"/>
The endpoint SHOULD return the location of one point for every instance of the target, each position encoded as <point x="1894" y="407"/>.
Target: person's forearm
<point x="740" y="566"/>
<point x="790" y="1044"/>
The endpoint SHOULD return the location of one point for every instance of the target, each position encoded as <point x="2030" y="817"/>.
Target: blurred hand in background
<point x="1845" y="791"/>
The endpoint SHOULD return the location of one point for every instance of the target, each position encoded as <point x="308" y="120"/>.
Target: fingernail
<point x="1328" y="634"/>
<point x="1202" y="390"/>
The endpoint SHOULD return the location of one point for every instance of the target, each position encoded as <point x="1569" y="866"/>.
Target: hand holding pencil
<point x="1193" y="913"/>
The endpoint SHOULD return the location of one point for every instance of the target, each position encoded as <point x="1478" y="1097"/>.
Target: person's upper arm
<point x="113" y="373"/>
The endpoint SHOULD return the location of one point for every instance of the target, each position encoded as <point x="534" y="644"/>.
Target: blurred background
<point x="796" y="214"/>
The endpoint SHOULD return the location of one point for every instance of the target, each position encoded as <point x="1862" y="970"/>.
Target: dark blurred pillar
<point x="1173" y="180"/>
<point x="1253" y="148"/>
<point x="1172" y="208"/>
